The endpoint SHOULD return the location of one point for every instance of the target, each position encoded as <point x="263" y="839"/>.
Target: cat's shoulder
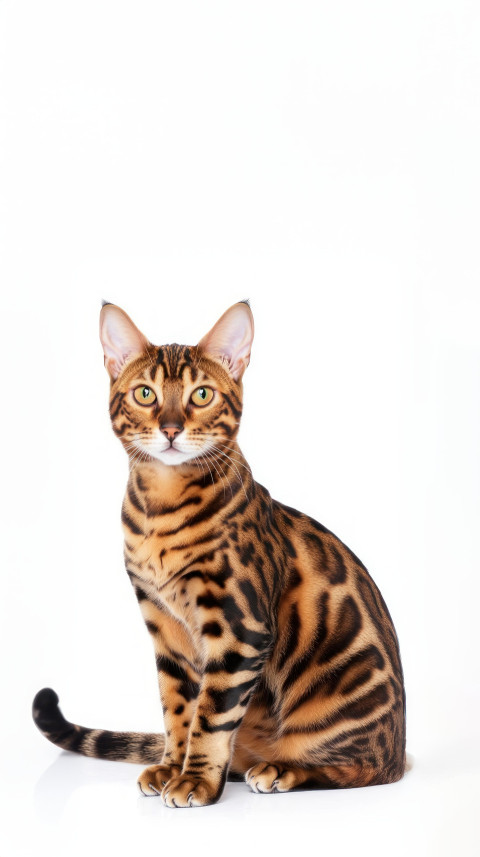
<point x="311" y="530"/>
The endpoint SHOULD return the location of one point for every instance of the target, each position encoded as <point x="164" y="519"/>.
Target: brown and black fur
<point x="277" y="658"/>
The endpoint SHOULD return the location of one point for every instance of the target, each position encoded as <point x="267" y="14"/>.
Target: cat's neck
<point x="217" y="471"/>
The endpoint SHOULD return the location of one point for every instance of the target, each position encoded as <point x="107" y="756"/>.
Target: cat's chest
<point x="172" y="572"/>
<point x="174" y="533"/>
<point x="161" y="553"/>
<point x="159" y="557"/>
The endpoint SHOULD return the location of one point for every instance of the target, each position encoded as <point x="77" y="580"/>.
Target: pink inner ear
<point x="121" y="339"/>
<point x="230" y="339"/>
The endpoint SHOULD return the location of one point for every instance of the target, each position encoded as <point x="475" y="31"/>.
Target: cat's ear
<point x="120" y="338"/>
<point x="230" y="339"/>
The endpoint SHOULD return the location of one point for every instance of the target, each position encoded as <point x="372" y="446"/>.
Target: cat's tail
<point x="140" y="748"/>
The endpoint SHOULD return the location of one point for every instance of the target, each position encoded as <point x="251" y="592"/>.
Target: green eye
<point x="202" y="396"/>
<point x="144" y="396"/>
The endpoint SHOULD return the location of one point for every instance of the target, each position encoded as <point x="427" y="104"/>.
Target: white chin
<point x="174" y="456"/>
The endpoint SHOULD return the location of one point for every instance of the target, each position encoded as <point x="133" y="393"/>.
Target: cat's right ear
<point x="121" y="339"/>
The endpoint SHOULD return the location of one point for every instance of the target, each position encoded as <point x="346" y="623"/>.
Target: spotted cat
<point x="277" y="658"/>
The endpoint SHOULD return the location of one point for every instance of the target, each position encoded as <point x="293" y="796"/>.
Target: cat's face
<point x="177" y="403"/>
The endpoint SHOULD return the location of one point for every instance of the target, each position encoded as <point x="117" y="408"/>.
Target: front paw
<point x="153" y="779"/>
<point x="189" y="790"/>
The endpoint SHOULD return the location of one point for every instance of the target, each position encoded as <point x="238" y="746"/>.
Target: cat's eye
<point x="202" y="396"/>
<point x="144" y="396"/>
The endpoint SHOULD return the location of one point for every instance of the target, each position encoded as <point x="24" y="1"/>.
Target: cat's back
<point x="330" y="609"/>
<point x="330" y="573"/>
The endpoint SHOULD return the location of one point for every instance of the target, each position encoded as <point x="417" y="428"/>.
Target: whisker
<point x="224" y="476"/>
<point x="202" y="455"/>
<point x="197" y="459"/>
<point x="221" y="462"/>
<point x="237" y="461"/>
<point x="136" y="453"/>
<point x="211" y="458"/>
<point x="236" y="470"/>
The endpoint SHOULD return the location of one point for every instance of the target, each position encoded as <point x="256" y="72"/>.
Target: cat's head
<point x="175" y="403"/>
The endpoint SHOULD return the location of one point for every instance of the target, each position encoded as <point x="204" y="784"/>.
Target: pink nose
<point x="171" y="431"/>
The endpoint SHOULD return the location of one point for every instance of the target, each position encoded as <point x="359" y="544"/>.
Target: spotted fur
<point x="277" y="658"/>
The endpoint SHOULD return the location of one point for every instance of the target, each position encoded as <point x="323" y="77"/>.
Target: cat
<point x="277" y="658"/>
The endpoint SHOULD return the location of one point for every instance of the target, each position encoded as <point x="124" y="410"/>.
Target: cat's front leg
<point x="178" y="692"/>
<point x="228" y="682"/>
<point x="178" y="683"/>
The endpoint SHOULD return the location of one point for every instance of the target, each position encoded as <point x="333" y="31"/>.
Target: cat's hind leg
<point x="268" y="777"/>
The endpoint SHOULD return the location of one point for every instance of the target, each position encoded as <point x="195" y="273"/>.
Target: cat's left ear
<point x="230" y="339"/>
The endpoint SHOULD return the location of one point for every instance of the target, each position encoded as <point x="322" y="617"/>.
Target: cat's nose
<point x="171" y="431"/>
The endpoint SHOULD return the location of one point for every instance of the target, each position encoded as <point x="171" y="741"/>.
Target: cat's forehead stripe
<point x="174" y="359"/>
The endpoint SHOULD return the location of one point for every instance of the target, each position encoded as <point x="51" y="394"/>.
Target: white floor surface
<point x="56" y="803"/>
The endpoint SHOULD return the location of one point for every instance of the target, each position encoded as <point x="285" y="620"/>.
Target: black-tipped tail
<point x="140" y="748"/>
<point x="51" y="721"/>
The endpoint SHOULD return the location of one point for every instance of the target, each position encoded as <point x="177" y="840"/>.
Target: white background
<point x="321" y="159"/>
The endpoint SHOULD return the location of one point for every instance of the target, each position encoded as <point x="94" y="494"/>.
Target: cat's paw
<point x="189" y="790"/>
<point x="263" y="778"/>
<point x="153" y="779"/>
<point x="266" y="778"/>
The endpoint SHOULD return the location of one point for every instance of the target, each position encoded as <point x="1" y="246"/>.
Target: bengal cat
<point x="277" y="658"/>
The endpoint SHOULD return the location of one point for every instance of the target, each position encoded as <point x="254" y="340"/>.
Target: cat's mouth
<point x="171" y="454"/>
<point x="175" y="455"/>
